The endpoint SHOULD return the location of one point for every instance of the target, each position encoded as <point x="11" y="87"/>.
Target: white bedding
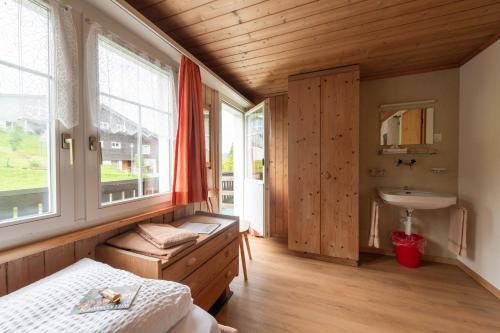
<point x="196" y="321"/>
<point x="45" y="305"/>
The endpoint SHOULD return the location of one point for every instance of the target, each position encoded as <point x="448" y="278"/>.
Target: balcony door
<point x="232" y="160"/>
<point x="254" y="207"/>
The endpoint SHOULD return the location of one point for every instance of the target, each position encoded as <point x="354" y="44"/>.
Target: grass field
<point x="24" y="163"/>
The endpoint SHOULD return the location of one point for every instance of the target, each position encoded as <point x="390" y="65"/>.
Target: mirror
<point x="412" y="126"/>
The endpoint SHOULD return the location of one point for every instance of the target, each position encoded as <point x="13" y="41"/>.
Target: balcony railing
<point x="35" y="201"/>
<point x="227" y="191"/>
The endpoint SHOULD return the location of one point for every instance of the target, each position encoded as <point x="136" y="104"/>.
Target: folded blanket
<point x="164" y="236"/>
<point x="133" y="242"/>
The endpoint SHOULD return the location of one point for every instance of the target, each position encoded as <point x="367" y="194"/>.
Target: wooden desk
<point x="208" y="267"/>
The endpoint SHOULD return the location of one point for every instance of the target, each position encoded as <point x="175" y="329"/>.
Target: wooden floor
<point x="286" y="293"/>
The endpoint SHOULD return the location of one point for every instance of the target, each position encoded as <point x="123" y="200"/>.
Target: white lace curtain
<point x="66" y="65"/>
<point x="147" y="89"/>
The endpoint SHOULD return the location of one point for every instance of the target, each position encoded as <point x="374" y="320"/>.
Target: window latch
<point x="67" y="143"/>
<point x="95" y="145"/>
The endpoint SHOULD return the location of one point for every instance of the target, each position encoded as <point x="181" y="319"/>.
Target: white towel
<point x="457" y="233"/>
<point x="373" y="240"/>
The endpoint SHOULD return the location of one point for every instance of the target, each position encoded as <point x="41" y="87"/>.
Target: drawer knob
<point x="191" y="261"/>
<point x="229" y="235"/>
<point x="228" y="274"/>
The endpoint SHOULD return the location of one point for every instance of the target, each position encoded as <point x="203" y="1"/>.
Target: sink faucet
<point x="411" y="163"/>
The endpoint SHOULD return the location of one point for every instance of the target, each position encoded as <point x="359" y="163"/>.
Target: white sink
<point x="415" y="199"/>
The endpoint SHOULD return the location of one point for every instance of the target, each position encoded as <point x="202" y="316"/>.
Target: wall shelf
<point x="411" y="151"/>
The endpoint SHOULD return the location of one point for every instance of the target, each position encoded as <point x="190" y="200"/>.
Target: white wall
<point x="479" y="160"/>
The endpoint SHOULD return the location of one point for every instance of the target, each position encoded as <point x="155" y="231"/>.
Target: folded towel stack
<point x="158" y="240"/>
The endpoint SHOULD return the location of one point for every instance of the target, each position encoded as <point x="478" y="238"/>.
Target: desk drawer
<point x="208" y="272"/>
<point x="188" y="264"/>
<point x="208" y="295"/>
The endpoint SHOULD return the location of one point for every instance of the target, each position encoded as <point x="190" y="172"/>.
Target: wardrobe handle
<point x="327" y="175"/>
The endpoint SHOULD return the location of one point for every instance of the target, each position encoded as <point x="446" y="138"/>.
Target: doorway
<point x="243" y="166"/>
<point x="232" y="160"/>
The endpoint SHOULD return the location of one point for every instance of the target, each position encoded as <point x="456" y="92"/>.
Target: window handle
<point x="67" y="143"/>
<point x="95" y="145"/>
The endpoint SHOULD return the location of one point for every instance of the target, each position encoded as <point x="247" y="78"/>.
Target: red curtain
<point x="190" y="173"/>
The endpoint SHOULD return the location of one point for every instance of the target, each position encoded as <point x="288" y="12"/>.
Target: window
<point x="255" y="144"/>
<point x="27" y="130"/>
<point x="206" y="124"/>
<point x="135" y="102"/>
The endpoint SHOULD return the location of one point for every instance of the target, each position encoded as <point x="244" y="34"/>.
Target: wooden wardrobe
<point x="323" y="153"/>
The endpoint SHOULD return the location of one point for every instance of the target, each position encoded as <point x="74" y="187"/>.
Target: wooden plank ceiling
<point x="256" y="44"/>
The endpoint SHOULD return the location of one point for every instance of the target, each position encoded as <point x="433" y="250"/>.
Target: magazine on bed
<point x="94" y="301"/>
<point x="200" y="228"/>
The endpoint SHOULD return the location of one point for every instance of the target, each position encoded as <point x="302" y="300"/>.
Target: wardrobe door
<point x="304" y="165"/>
<point x="339" y="165"/>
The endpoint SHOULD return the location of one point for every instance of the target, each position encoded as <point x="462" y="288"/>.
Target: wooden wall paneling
<point x="107" y="235"/>
<point x="284" y="108"/>
<point x="303" y="165"/>
<point x="59" y="258"/>
<point x="272" y="168"/>
<point x="279" y="164"/>
<point x="179" y="212"/>
<point x="157" y="219"/>
<point x="168" y="217"/>
<point x="339" y="165"/>
<point x="24" y="271"/>
<point x="85" y="248"/>
<point x="3" y="279"/>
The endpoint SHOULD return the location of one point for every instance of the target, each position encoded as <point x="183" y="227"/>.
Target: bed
<point x="45" y="306"/>
<point x="196" y="321"/>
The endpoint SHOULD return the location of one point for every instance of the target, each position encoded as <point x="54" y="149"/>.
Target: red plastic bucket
<point x="408" y="249"/>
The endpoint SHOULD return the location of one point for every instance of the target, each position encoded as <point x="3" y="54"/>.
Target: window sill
<point x="53" y="242"/>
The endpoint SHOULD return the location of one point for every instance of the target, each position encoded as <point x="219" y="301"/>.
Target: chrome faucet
<point x="411" y="163"/>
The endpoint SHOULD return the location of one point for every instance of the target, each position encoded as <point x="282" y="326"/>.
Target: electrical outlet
<point x="438" y="137"/>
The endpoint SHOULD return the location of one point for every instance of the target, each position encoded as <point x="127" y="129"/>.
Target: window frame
<point x="95" y="209"/>
<point x="61" y="174"/>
